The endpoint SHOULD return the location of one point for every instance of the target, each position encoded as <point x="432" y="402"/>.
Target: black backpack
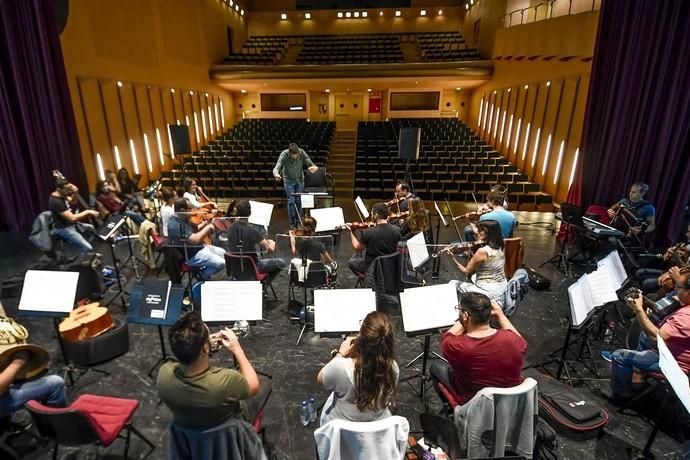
<point x="546" y="445"/>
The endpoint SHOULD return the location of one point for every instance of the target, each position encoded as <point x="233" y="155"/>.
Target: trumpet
<point x="241" y="330"/>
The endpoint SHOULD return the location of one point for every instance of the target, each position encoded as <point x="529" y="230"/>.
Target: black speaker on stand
<point x="179" y="134"/>
<point x="408" y="150"/>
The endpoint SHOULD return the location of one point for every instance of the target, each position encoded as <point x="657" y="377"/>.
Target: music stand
<point x="421" y="317"/>
<point x="571" y="215"/>
<point x="143" y="312"/>
<point x="224" y="302"/>
<point x="107" y="232"/>
<point x="50" y="294"/>
<point x="340" y="311"/>
<point x="440" y="219"/>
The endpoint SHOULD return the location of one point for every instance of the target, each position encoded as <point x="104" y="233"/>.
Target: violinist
<point x="311" y="248"/>
<point x="497" y="212"/>
<point x="68" y="225"/>
<point x="485" y="271"/>
<point x="196" y="196"/>
<point x="199" y="253"/>
<point x="634" y="210"/>
<point x="675" y="256"/>
<point x="402" y="194"/>
<point x="126" y="189"/>
<point x="417" y="221"/>
<point x="169" y="197"/>
<point x="380" y="240"/>
<point x="106" y="196"/>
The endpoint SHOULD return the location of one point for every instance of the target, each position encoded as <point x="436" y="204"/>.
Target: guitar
<point x="85" y="322"/>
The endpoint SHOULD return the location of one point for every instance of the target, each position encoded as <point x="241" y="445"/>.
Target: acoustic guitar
<point x="85" y="322"/>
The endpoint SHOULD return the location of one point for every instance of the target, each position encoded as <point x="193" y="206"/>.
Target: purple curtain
<point x="37" y="128"/>
<point x="637" y="125"/>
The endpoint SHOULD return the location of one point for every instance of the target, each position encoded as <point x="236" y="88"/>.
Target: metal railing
<point x="547" y="10"/>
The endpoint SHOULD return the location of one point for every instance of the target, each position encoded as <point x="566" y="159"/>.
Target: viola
<point x="456" y="248"/>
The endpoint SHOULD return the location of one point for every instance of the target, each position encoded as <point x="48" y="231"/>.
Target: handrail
<point x="548" y="12"/>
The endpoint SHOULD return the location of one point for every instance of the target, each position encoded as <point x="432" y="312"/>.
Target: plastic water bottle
<point x="304" y="414"/>
<point x="608" y="335"/>
<point x="312" y="410"/>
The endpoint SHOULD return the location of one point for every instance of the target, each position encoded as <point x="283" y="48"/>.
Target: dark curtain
<point x="638" y="112"/>
<point x="37" y="127"/>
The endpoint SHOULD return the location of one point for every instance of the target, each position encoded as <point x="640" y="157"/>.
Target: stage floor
<point x="541" y="318"/>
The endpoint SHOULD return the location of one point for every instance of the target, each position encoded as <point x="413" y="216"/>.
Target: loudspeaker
<point x="180" y="139"/>
<point x="408" y="148"/>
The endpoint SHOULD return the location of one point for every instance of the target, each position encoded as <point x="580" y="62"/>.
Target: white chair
<point x="384" y="439"/>
<point x="499" y="418"/>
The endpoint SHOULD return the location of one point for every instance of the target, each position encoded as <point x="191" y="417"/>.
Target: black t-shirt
<point x="128" y="186"/>
<point x="243" y="238"/>
<point x="380" y="240"/>
<point x="57" y="206"/>
<point x="312" y="248"/>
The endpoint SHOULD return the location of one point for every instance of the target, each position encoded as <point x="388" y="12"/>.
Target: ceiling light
<point x="364" y="14"/>
<point x="422" y="13"/>
<point x="348" y="15"/>
<point x="232" y="3"/>
<point x="508" y="89"/>
<point x="340" y="14"/>
<point x="368" y="90"/>
<point x="237" y="7"/>
<point x="119" y="84"/>
<point x="380" y="13"/>
<point x="307" y="15"/>
<point x="356" y="14"/>
<point x="328" y="90"/>
<point x="471" y="2"/>
<point x="191" y="93"/>
<point x="467" y="6"/>
<point x="440" y="12"/>
<point x="243" y="91"/>
<point x="242" y="12"/>
<point x="283" y="16"/>
<point x="526" y="86"/>
<point x="172" y="90"/>
<point x="548" y="83"/>
<point x="458" y="89"/>
<point x="398" y="13"/>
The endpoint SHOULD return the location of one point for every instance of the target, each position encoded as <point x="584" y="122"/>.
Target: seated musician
<point x="200" y="395"/>
<point x="169" y="197"/>
<point x="66" y="224"/>
<point x="402" y="194"/>
<point x="417" y="221"/>
<point x="126" y="189"/>
<point x="199" y="251"/>
<point x="195" y="195"/>
<point x="478" y="355"/>
<point x="312" y="249"/>
<point x="48" y="389"/>
<point x="494" y="211"/>
<point x="106" y="196"/>
<point x="628" y="366"/>
<point x="642" y="211"/>
<point x="379" y="240"/>
<point x="246" y="239"/>
<point x="651" y="279"/>
<point x="485" y="270"/>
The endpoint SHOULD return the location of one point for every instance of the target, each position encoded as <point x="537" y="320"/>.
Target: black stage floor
<point x="541" y="318"/>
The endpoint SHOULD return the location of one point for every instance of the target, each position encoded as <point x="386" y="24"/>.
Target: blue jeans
<point x="293" y="201"/>
<point x="72" y="236"/>
<point x="210" y="258"/>
<point x="135" y="216"/>
<point x="469" y="233"/>
<point x="272" y="266"/>
<point x="623" y="362"/>
<point x="48" y="390"/>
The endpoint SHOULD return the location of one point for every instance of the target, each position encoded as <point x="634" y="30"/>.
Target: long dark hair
<point x="418" y="221"/>
<point x="494" y="237"/>
<point x="373" y="353"/>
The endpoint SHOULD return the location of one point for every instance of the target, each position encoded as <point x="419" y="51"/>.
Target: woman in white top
<point x="485" y="270"/>
<point x="195" y="195"/>
<point x="363" y="374"/>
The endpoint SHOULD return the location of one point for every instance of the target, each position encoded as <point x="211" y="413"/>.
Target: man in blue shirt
<point x="505" y="218"/>
<point x="290" y="168"/>
<point x="642" y="210"/>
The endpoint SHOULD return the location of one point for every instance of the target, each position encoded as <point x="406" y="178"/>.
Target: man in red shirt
<point x="480" y="356"/>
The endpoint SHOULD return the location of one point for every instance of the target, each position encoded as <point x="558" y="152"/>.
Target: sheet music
<point x="440" y="215"/>
<point x="580" y="303"/>
<point x="362" y="208"/>
<point x="429" y="307"/>
<point x="613" y="264"/>
<point x="416" y="248"/>
<point x="261" y="213"/>
<point x="49" y="291"/>
<point x="673" y="373"/>
<point x="231" y="301"/>
<point x="601" y="287"/>
<point x="111" y="225"/>
<point x="328" y="218"/>
<point x="342" y="310"/>
<point x="307" y="200"/>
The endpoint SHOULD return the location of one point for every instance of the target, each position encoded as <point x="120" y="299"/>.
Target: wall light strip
<point x="196" y="128"/>
<point x="99" y="165"/>
<point x="118" y="161"/>
<point x="134" y="156"/>
<point x="481" y="107"/>
<point x="210" y="120"/>
<point x="172" y="150"/>
<point x="510" y="130"/>
<point x="491" y="117"/>
<point x="215" y="112"/>
<point x="546" y="155"/>
<point x="524" y="147"/>
<point x="503" y="125"/>
<point x="149" y="164"/>
<point x="222" y="115"/>
<point x="517" y="136"/>
<point x="203" y="124"/>
<point x="574" y="167"/>
<point x="161" y="157"/>
<point x="536" y="147"/>
<point x="558" y="163"/>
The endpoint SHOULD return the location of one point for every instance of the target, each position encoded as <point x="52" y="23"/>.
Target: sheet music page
<point x="49" y="291"/>
<point x="307" y="200"/>
<point x="580" y="302"/>
<point x="231" y="301"/>
<point x="429" y="307"/>
<point x="673" y="373"/>
<point x="328" y="218"/>
<point x="261" y="213"/>
<point x="362" y="208"/>
<point x="416" y="247"/>
<point x="601" y="287"/>
<point x="342" y="310"/>
<point x="440" y="214"/>
<point x="614" y="265"/>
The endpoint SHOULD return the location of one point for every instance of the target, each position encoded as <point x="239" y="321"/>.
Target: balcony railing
<point x="547" y="10"/>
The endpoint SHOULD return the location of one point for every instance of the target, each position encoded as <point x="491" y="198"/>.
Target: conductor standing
<point x="290" y="168"/>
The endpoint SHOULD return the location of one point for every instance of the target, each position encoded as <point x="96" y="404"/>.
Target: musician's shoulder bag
<point x="537" y="281"/>
<point x="570" y="413"/>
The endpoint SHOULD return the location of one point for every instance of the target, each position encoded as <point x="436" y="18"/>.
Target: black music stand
<point x="440" y="218"/>
<point x="136" y="315"/>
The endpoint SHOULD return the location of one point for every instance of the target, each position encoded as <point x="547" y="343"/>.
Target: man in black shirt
<point x="242" y="238"/>
<point x="65" y="221"/>
<point x="379" y="240"/>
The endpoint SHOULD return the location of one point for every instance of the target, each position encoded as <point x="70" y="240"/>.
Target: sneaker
<point x="607" y="355"/>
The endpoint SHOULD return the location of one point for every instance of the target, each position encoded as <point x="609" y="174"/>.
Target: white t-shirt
<point x="166" y="212"/>
<point x="193" y="200"/>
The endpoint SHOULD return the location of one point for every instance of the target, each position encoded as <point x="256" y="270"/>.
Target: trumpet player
<point x="200" y="395"/>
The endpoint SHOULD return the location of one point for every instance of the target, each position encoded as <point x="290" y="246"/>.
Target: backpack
<point x="546" y="445"/>
<point x="515" y="291"/>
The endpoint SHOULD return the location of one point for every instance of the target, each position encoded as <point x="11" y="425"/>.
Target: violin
<point x="473" y="215"/>
<point x="398" y="216"/>
<point x="667" y="282"/>
<point x="456" y="248"/>
<point x="356" y="225"/>
<point x="678" y="252"/>
<point x="395" y="201"/>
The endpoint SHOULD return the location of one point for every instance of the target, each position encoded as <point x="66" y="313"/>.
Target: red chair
<point x="88" y="420"/>
<point x="242" y="267"/>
